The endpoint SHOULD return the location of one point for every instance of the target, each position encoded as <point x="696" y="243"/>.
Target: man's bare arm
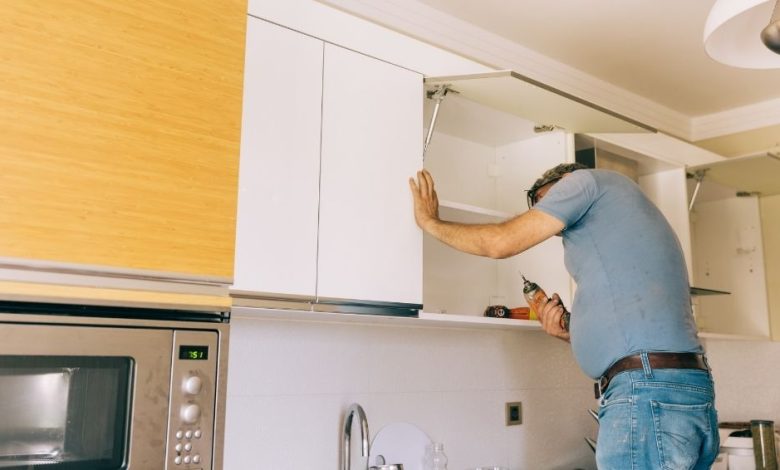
<point x="499" y="240"/>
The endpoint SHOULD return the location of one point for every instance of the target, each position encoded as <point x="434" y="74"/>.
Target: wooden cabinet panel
<point x="276" y="240"/>
<point x="119" y="132"/>
<point x="369" y="245"/>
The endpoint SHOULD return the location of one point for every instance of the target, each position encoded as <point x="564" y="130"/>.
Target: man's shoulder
<point x="609" y="179"/>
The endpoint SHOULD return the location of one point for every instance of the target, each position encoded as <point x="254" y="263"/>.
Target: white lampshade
<point x="732" y="34"/>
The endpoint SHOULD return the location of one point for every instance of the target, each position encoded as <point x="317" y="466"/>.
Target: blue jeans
<point x="658" y="419"/>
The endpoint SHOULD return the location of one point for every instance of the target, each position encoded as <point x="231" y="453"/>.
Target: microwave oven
<point x="96" y="388"/>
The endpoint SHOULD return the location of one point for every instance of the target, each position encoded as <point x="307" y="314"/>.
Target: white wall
<point x="290" y="382"/>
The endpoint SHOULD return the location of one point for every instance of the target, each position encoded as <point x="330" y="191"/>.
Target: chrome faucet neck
<point x="346" y="436"/>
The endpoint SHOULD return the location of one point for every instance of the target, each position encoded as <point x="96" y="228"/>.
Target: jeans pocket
<point x="681" y="432"/>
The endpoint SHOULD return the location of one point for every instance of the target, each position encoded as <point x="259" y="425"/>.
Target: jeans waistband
<point x="654" y="360"/>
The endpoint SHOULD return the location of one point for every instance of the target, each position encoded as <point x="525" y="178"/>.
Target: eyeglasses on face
<point x="532" y="195"/>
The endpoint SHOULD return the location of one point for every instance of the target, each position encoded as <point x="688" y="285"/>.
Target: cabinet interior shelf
<point x="459" y="211"/>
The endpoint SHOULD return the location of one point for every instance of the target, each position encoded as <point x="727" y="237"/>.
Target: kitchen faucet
<point x="346" y="435"/>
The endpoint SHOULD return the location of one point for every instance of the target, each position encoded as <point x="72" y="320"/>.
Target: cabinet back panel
<point x="119" y="132"/>
<point x="729" y="256"/>
<point x="460" y="169"/>
<point x="770" y="225"/>
<point x="456" y="282"/>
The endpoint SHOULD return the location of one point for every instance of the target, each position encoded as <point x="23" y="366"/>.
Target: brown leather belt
<point x="657" y="360"/>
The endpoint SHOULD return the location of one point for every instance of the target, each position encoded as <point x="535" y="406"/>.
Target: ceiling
<point x="652" y="48"/>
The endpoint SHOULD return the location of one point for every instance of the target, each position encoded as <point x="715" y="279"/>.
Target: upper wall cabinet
<point x="119" y="135"/>
<point x="325" y="213"/>
<point x="717" y="221"/>
<point x="482" y="161"/>
<point x="735" y="244"/>
<point x="494" y="134"/>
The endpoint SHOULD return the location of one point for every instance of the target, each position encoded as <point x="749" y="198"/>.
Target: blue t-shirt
<point x="632" y="283"/>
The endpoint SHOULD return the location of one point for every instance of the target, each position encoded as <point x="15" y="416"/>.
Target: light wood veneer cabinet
<point x="119" y="134"/>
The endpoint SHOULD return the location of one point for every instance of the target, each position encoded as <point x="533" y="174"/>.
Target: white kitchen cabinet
<point x="483" y="157"/>
<point x="482" y="161"/>
<point x="496" y="133"/>
<point x="721" y="236"/>
<point x="276" y="239"/>
<point x="330" y="137"/>
<point x="348" y="129"/>
<point x="729" y="246"/>
<point x="729" y="256"/>
<point x="369" y="245"/>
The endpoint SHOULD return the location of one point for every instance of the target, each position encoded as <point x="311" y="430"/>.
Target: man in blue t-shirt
<point x="631" y="326"/>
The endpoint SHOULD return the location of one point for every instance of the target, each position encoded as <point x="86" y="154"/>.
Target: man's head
<point x="549" y="177"/>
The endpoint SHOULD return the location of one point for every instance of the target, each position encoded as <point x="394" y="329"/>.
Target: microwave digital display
<point x="194" y="353"/>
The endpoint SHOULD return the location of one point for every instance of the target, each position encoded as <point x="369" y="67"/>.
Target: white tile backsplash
<point x="297" y="358"/>
<point x="435" y="360"/>
<point x="747" y="379"/>
<point x="290" y="382"/>
<point x="282" y="432"/>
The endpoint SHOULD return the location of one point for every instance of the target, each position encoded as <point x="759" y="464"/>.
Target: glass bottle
<point x="438" y="457"/>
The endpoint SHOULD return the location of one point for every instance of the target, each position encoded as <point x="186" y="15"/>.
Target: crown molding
<point x="732" y="121"/>
<point x="429" y="25"/>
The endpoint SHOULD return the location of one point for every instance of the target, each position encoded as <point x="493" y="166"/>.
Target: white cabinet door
<point x="276" y="240"/>
<point x="369" y="247"/>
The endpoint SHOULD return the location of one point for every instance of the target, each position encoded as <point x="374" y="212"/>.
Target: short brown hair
<point x="553" y="174"/>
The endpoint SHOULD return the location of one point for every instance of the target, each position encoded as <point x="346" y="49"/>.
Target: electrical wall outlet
<point x="514" y="413"/>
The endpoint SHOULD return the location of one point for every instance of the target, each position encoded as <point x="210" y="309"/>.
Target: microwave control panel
<point x="192" y="400"/>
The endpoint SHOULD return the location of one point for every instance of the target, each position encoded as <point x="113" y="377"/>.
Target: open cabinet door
<point x="529" y="99"/>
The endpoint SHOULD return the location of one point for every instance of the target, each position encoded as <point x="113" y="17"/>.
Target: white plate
<point x="402" y="443"/>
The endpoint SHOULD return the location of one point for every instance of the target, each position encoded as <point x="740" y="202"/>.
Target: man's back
<point x="632" y="284"/>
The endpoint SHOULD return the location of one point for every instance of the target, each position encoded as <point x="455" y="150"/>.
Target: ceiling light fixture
<point x="736" y="33"/>
<point x="771" y="34"/>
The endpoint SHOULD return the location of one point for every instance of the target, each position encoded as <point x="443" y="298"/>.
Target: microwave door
<point x="33" y="404"/>
<point x="60" y="409"/>
<point x="82" y="397"/>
